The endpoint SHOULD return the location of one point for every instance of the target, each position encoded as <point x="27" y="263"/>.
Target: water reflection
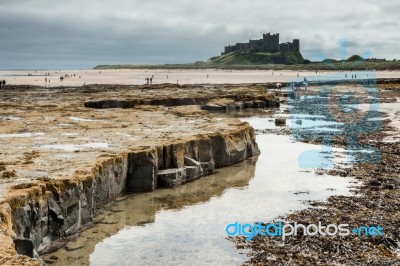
<point x="141" y="209"/>
<point x="186" y="225"/>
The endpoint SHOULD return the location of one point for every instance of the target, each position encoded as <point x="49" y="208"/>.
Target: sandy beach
<point x="205" y="76"/>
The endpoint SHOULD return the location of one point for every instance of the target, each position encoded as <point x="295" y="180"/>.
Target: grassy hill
<point x="390" y="65"/>
<point x="270" y="61"/>
<point x="260" y="58"/>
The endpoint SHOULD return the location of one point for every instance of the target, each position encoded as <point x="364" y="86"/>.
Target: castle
<point x="269" y="43"/>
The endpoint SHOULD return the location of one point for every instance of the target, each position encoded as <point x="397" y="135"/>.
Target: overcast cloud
<point x="82" y="34"/>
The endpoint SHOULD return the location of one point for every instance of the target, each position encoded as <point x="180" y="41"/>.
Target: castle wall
<point x="269" y="43"/>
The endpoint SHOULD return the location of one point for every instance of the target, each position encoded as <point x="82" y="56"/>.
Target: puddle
<point x="63" y="156"/>
<point x="78" y="119"/>
<point x="260" y="123"/>
<point x="186" y="225"/>
<point x="21" y="135"/>
<point x="76" y="147"/>
<point x="296" y="122"/>
<point x="10" y="118"/>
<point x="392" y="109"/>
<point x="391" y="139"/>
<point x="69" y="134"/>
<point x="325" y="129"/>
<point x="259" y="119"/>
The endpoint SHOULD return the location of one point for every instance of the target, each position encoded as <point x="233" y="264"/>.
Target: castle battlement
<point x="269" y="43"/>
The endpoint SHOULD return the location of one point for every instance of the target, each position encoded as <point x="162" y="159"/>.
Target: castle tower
<point x="271" y="42"/>
<point x="296" y="45"/>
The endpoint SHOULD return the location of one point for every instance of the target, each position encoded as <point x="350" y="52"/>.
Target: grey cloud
<point x="81" y="34"/>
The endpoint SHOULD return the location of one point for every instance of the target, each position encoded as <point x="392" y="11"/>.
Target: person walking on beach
<point x="4" y="83"/>
<point x="305" y="85"/>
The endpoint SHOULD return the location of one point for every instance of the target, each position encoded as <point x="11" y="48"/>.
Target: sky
<point x="49" y="34"/>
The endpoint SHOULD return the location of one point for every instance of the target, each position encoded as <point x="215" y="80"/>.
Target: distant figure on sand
<point x="1" y="83"/>
<point x="305" y="85"/>
<point x="61" y="78"/>
<point x="278" y="87"/>
<point x="4" y="83"/>
<point x="151" y="80"/>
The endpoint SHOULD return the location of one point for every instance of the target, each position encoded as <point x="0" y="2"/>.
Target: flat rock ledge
<point x="38" y="217"/>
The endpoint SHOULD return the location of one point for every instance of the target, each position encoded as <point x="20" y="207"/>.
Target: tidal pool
<point x="186" y="225"/>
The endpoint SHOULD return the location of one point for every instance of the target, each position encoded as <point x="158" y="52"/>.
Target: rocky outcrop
<point x="279" y="121"/>
<point x="206" y="105"/>
<point x="212" y="106"/>
<point x="38" y="217"/>
<point x="224" y="97"/>
<point x="132" y="103"/>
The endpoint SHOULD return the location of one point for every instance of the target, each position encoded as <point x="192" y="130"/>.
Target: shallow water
<point x="186" y="225"/>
